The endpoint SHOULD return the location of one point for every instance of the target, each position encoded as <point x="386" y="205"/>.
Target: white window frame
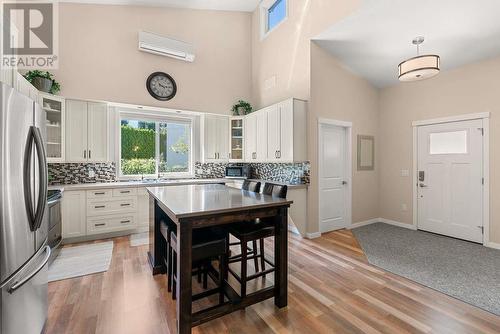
<point x="155" y="117"/>
<point x="265" y="5"/>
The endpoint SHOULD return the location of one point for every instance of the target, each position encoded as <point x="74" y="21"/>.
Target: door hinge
<point x="482" y="131"/>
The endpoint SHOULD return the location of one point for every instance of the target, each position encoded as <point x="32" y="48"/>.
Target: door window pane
<point x="454" y="142"/>
<point x="137" y="147"/>
<point x="174" y="148"/>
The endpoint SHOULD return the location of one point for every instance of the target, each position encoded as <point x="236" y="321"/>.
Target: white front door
<point x="332" y="178"/>
<point x="450" y="179"/>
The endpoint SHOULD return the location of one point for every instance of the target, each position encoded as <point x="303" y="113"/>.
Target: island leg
<point x="281" y="258"/>
<point x="184" y="284"/>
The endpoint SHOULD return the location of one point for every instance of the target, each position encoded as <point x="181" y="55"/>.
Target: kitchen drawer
<point x="120" y="192"/>
<point x="115" y="223"/>
<point x="101" y="193"/>
<point x="115" y="206"/>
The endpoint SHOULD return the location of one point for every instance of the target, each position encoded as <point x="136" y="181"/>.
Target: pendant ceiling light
<point x="419" y="67"/>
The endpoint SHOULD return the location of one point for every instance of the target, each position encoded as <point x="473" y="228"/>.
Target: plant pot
<point x="241" y="111"/>
<point x="42" y="84"/>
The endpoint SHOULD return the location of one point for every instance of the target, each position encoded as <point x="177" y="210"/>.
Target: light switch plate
<point x="405" y="172"/>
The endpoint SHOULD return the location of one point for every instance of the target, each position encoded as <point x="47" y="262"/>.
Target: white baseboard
<point x="396" y="223"/>
<point x="364" y="223"/>
<point x="293" y="229"/>
<point x="313" y="235"/>
<point x="493" y="245"/>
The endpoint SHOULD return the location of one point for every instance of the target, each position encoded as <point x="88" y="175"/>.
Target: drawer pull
<point x="100" y="193"/>
<point x="125" y="204"/>
<point x="125" y="192"/>
<point x="100" y="224"/>
<point x="99" y="206"/>
<point x="125" y="221"/>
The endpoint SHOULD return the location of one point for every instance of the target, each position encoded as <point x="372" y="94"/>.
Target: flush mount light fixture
<point x="419" y="67"/>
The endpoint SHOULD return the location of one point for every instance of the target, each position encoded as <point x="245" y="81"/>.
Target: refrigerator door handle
<point x="20" y="283"/>
<point x="28" y="191"/>
<point x="43" y="182"/>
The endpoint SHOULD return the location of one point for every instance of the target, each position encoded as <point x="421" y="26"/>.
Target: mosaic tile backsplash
<point x="73" y="173"/>
<point x="280" y="172"/>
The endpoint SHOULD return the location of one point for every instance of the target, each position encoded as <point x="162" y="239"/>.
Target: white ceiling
<point x="230" y="5"/>
<point x="376" y="38"/>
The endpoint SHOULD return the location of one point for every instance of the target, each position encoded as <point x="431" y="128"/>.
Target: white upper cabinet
<point x="277" y="133"/>
<point x="86" y="131"/>
<point x="250" y="137"/>
<point x="97" y="122"/>
<point x="215" y="134"/>
<point x="53" y="107"/>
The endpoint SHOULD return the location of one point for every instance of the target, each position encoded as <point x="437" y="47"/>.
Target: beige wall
<point x="99" y="57"/>
<point x="340" y="95"/>
<point x="470" y="89"/>
<point x="285" y="52"/>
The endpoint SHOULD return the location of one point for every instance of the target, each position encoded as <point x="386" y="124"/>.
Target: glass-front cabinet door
<point x="236" y="140"/>
<point x="53" y="106"/>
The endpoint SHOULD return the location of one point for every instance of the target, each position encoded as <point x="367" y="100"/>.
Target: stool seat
<point x="206" y="243"/>
<point x="252" y="230"/>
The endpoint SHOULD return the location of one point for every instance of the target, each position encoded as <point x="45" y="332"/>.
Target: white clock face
<point x="162" y="87"/>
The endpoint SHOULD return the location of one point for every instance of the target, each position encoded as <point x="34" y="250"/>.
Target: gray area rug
<point x="461" y="269"/>
<point x="139" y="239"/>
<point x="81" y="260"/>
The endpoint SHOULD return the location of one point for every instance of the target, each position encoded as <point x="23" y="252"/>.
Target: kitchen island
<point x="197" y="206"/>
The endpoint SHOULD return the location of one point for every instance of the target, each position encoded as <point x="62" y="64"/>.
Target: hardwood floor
<point x="332" y="289"/>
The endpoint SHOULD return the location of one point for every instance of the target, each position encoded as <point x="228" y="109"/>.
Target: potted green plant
<point x="43" y="81"/>
<point x="241" y="108"/>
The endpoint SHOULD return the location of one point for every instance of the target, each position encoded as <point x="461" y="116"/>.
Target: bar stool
<point x="207" y="244"/>
<point x="165" y="230"/>
<point x="253" y="231"/>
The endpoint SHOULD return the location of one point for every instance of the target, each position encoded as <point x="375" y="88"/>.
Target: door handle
<point x="28" y="191"/>
<point x="421" y="185"/>
<point x="43" y="178"/>
<point x="344" y="183"/>
<point x="20" y="283"/>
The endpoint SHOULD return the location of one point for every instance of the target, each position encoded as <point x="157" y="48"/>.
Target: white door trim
<point x="348" y="167"/>
<point x="485" y="116"/>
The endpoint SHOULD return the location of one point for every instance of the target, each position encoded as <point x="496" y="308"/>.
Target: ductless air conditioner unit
<point x="164" y="46"/>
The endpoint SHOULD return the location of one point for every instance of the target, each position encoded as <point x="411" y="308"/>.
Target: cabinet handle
<point x="215" y="155"/>
<point x="125" y="221"/>
<point x="125" y="204"/>
<point x="99" y="193"/>
<point x="124" y="191"/>
<point x="90" y="153"/>
<point x="85" y="154"/>
<point x="99" y="206"/>
<point x="101" y="224"/>
<point x="279" y="154"/>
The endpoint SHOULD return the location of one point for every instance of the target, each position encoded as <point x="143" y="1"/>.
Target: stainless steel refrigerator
<point x="23" y="214"/>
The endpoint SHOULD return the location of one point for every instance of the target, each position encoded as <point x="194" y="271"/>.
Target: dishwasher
<point x="55" y="222"/>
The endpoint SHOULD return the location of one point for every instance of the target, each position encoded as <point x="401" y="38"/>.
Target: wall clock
<point x="161" y="86"/>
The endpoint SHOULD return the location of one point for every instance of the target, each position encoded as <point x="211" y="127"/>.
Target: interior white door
<point x="98" y="132"/>
<point x="332" y="178"/>
<point x="76" y="131"/>
<point x="450" y="179"/>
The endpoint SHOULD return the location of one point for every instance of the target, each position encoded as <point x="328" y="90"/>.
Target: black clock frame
<point x="161" y="98"/>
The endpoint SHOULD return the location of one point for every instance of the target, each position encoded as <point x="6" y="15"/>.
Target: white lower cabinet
<point x="74" y="214"/>
<point x="94" y="212"/>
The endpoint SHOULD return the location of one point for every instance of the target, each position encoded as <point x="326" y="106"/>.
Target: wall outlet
<point x="405" y="172"/>
<point x="404" y="207"/>
<point x="91" y="173"/>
